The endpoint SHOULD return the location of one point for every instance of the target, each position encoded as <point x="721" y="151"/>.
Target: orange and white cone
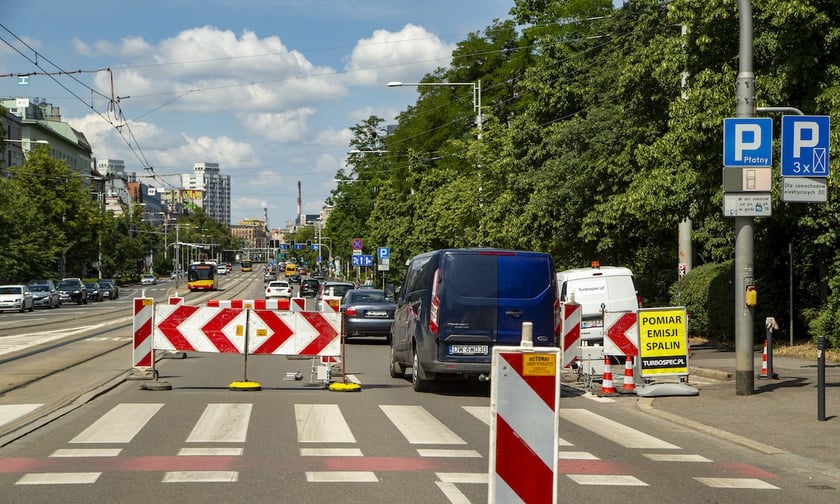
<point x="764" y="373"/>
<point x="607" y="383"/>
<point x="629" y="384"/>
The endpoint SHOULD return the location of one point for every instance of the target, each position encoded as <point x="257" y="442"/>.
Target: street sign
<point x="663" y="341"/>
<point x="361" y="260"/>
<point x="805" y="146"/>
<point x="748" y="141"/>
<point x="805" y="189"/>
<point x="356" y="244"/>
<point x="753" y="179"/>
<point x="383" y="253"/>
<point x="746" y="205"/>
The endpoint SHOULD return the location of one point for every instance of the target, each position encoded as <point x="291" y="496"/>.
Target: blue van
<point x="456" y="304"/>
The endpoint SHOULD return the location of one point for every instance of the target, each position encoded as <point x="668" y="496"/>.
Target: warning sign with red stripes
<point x="622" y="334"/>
<point x="223" y="330"/>
<point x="524" y="404"/>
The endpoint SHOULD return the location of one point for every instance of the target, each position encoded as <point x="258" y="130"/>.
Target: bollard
<point x="771" y="325"/>
<point x="821" y="378"/>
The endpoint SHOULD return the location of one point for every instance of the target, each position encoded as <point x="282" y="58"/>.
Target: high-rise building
<point x="215" y="188"/>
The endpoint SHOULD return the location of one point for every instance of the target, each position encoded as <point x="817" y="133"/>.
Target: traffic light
<point x="308" y="244"/>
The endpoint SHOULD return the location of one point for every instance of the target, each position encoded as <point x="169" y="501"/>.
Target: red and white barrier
<point x="176" y="300"/>
<point x="252" y="304"/>
<point x="330" y="304"/>
<point x="571" y="332"/>
<point x="524" y="435"/>
<point x="142" y="356"/>
<point x="621" y="333"/>
<point x="222" y="330"/>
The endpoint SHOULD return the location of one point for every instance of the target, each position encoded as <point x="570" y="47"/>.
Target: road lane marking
<point x="222" y="423"/>
<point x="119" y="425"/>
<point x="748" y="483"/>
<point x="11" y="412"/>
<point x="330" y="452"/>
<point x="87" y="452"/>
<point x="614" y="431"/>
<point x="76" y="478"/>
<point x="419" y="426"/>
<point x="448" y="453"/>
<point x="341" y="477"/>
<point x="676" y="457"/>
<point x="606" y="480"/>
<point x="201" y="477"/>
<point x="321" y="423"/>
<point x="211" y="452"/>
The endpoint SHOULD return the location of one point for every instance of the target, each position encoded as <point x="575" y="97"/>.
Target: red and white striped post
<point x="142" y="356"/>
<point x="524" y="405"/>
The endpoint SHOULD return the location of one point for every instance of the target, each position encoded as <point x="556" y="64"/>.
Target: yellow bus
<point x="246" y="265"/>
<point x="201" y="276"/>
<point x="291" y="269"/>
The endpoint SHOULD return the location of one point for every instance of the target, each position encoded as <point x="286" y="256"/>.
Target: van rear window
<point x="522" y="276"/>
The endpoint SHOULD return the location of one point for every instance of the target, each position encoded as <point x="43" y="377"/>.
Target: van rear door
<point x="485" y="296"/>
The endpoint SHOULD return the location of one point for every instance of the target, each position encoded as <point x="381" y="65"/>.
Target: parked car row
<point x="48" y="294"/>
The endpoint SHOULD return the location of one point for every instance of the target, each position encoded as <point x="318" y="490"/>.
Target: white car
<point x="16" y="297"/>
<point x="278" y="289"/>
<point x="222" y="269"/>
<point x="148" y="279"/>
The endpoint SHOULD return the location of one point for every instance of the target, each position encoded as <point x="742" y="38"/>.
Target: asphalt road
<point x="294" y="441"/>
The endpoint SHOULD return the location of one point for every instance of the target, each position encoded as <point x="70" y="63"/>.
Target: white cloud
<point x="405" y="55"/>
<point x="279" y="127"/>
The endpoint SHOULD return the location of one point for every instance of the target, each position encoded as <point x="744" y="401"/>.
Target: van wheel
<point x="420" y="385"/>
<point x="395" y="369"/>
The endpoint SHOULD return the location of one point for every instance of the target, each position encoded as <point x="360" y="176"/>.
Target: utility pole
<point x="744" y="273"/>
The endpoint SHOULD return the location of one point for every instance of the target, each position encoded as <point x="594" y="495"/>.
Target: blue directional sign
<point x="361" y="260"/>
<point x="747" y="141"/>
<point x="383" y="252"/>
<point x="805" y="146"/>
<point x="284" y="246"/>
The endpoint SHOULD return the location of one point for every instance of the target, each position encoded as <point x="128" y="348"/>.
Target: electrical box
<point x="751" y="297"/>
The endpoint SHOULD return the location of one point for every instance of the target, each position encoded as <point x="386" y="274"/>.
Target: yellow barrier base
<point x="345" y="387"/>
<point x="244" y="385"/>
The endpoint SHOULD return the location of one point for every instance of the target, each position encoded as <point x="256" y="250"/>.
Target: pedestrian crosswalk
<point x="219" y="437"/>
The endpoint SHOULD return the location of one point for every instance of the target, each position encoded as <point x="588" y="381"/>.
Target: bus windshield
<point x="200" y="272"/>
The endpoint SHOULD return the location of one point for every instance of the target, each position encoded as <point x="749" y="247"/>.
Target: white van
<point x="598" y="289"/>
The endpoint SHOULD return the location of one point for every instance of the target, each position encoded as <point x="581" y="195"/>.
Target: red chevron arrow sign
<point x="622" y="334"/>
<point x="222" y="330"/>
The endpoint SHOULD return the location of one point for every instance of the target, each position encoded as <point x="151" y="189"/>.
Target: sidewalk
<point x="781" y="416"/>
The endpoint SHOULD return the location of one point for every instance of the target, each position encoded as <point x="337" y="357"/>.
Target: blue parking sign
<point x="747" y="141"/>
<point x="805" y="146"/>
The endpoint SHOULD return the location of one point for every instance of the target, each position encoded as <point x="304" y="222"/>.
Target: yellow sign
<point x="262" y="332"/>
<point x="240" y="330"/>
<point x="663" y="341"/>
<point x="539" y="364"/>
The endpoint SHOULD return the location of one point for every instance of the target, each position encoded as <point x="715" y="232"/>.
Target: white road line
<point x="341" y="477"/>
<point x="222" y="423"/>
<point x="419" y="426"/>
<point x="200" y="477"/>
<point x="119" y="425"/>
<point x="483" y="478"/>
<point x="77" y="478"/>
<point x="10" y="412"/>
<point x="330" y="452"/>
<point x="212" y="452"/>
<point x="748" y="483"/>
<point x="452" y="493"/>
<point x="87" y="452"/>
<point x="448" y="453"/>
<point x="322" y="423"/>
<point x="480" y="412"/>
<point x="576" y="455"/>
<point x="676" y="457"/>
<point x="606" y="480"/>
<point x="614" y="431"/>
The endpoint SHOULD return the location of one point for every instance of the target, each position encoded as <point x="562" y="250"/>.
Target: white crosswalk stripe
<point x="328" y="426"/>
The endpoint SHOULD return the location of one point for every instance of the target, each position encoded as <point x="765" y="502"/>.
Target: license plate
<point x="468" y="349"/>
<point x="375" y="313"/>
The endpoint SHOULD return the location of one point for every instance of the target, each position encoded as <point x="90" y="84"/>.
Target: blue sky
<point x="266" y="88"/>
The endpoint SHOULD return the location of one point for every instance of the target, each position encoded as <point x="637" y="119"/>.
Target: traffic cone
<point x="764" y="372"/>
<point x="629" y="384"/>
<point x="607" y="382"/>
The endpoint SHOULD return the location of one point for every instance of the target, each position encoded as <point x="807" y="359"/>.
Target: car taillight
<point x="639" y="299"/>
<point x="351" y="311"/>
<point x="434" y="310"/>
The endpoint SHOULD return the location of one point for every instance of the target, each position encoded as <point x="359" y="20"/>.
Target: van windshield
<point x="519" y="276"/>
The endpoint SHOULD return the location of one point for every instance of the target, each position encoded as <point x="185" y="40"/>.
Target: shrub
<point x="708" y="294"/>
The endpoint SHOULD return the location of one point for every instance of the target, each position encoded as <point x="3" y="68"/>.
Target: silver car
<point x="44" y="294"/>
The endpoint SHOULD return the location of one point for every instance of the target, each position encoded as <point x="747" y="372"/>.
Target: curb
<point x="714" y="374"/>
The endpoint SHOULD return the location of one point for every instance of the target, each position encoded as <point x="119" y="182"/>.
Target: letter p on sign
<point x="747" y="138"/>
